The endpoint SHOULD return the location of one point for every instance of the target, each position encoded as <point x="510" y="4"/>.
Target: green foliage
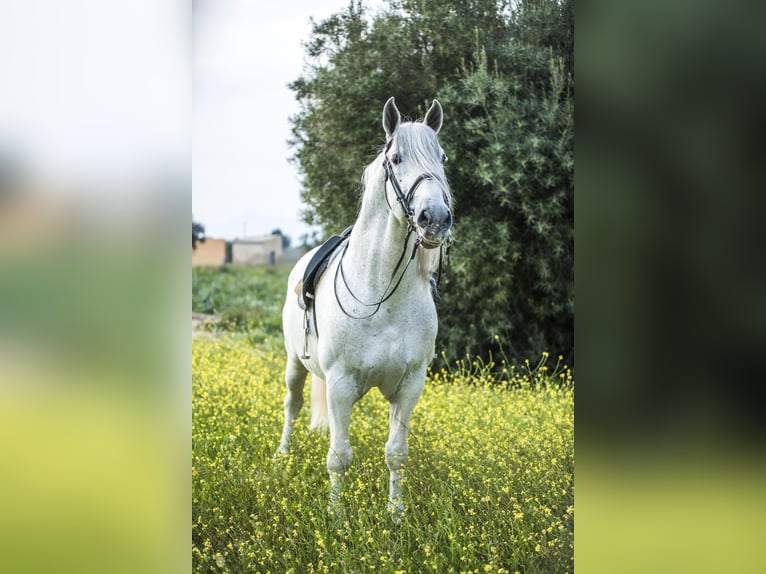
<point x="505" y="78"/>
<point x="198" y="234"/>
<point x="286" y="240"/>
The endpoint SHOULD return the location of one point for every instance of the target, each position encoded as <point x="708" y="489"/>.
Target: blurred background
<point x="671" y="286"/>
<point x="95" y="182"/>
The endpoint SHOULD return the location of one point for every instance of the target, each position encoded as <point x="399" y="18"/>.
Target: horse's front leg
<point x="341" y="396"/>
<point x="397" y="449"/>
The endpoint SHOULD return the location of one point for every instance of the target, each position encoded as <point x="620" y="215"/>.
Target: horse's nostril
<point x="424" y="218"/>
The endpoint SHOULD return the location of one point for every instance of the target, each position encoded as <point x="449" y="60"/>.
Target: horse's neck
<point x="376" y="245"/>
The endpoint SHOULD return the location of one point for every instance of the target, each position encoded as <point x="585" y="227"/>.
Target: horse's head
<point x="413" y="162"/>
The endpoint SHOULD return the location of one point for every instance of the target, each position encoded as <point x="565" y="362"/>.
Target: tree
<point x="504" y="74"/>
<point x="198" y="234"/>
<point x="285" y="238"/>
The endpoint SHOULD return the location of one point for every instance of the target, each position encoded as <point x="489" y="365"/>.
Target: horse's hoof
<point x="396" y="511"/>
<point x="281" y="452"/>
<point x="337" y="513"/>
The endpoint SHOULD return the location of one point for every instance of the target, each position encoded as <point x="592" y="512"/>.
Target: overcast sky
<point x="95" y="94"/>
<point x="245" y="53"/>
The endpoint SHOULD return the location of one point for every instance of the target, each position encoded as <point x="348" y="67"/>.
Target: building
<point x="209" y="252"/>
<point x="263" y="250"/>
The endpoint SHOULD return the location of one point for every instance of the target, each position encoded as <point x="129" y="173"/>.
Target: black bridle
<point x="404" y="201"/>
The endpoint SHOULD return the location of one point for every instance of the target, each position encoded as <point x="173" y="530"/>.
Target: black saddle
<point x="318" y="264"/>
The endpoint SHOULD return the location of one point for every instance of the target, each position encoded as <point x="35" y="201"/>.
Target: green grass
<point x="246" y="299"/>
<point x="489" y="485"/>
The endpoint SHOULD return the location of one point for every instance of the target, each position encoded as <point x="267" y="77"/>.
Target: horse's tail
<point x="319" y="418"/>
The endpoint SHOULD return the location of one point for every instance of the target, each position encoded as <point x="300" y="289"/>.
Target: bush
<point x="505" y="78"/>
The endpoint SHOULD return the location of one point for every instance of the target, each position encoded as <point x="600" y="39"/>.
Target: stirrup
<point x="305" y="354"/>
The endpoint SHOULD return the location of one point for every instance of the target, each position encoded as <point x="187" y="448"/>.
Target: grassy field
<point x="246" y="299"/>
<point x="489" y="485"/>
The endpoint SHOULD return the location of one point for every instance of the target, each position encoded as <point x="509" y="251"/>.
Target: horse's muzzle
<point x="434" y="225"/>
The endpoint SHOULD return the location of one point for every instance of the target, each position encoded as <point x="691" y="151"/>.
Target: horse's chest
<point x="383" y="342"/>
<point x="397" y="345"/>
<point x="388" y="358"/>
<point x="382" y="351"/>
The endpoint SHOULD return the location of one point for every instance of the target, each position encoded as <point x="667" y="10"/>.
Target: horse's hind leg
<point x="319" y="416"/>
<point x="295" y="378"/>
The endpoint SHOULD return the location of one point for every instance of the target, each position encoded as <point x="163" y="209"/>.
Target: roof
<point x="260" y="239"/>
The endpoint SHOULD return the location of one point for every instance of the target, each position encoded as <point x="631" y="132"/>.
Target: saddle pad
<point x="318" y="264"/>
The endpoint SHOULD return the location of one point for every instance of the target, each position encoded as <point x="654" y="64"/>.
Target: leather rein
<point x="404" y="201"/>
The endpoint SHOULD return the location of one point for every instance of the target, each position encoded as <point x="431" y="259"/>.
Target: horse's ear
<point x="391" y="117"/>
<point x="434" y="116"/>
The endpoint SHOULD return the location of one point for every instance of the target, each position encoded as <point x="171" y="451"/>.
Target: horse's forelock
<point x="419" y="144"/>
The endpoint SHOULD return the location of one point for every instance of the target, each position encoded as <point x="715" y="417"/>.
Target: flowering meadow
<point x="489" y="485"/>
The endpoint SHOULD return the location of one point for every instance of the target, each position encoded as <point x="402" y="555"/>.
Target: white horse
<point x="373" y="320"/>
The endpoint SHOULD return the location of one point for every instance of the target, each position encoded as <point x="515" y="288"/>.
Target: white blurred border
<point x="96" y="94"/>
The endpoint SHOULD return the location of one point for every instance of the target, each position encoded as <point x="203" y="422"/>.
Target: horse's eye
<point x="395" y="159"/>
<point x="444" y="158"/>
